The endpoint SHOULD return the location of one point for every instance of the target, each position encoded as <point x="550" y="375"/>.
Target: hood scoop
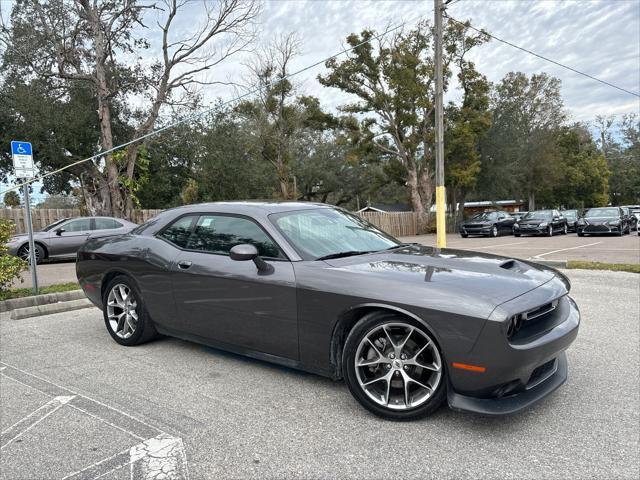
<point x="514" y="266"/>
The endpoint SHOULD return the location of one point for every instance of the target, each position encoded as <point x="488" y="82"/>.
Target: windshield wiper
<point x="348" y="253"/>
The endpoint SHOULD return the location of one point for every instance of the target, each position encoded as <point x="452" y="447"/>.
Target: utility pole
<point x="441" y="226"/>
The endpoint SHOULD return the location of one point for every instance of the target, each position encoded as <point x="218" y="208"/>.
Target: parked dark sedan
<point x="571" y="216"/>
<point x="541" y="222"/>
<point x="603" y="220"/>
<point x="632" y="220"/>
<point x="317" y="288"/>
<point x="489" y="224"/>
<point x="63" y="238"/>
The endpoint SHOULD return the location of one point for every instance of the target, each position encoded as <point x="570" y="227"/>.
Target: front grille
<point x="596" y="228"/>
<point x="541" y="373"/>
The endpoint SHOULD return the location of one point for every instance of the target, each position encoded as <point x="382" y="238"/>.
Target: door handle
<point x="184" y="264"/>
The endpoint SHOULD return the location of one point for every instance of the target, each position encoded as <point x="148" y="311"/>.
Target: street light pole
<point x="441" y="234"/>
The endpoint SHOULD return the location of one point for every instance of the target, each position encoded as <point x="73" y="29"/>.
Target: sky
<point x="598" y="37"/>
<point x="601" y="38"/>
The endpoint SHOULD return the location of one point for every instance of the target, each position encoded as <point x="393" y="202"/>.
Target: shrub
<point x="10" y="267"/>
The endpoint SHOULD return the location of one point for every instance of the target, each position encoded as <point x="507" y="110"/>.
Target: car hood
<point x="601" y="220"/>
<point x="532" y="222"/>
<point x="491" y="277"/>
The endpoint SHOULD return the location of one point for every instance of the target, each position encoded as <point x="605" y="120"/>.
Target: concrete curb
<point x="50" y="308"/>
<point x="12" y="304"/>
<point x="550" y="263"/>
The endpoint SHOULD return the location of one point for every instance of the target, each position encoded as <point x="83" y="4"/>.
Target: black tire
<point x="494" y="231"/>
<point x="550" y="231"/>
<point x="361" y="330"/>
<point x="23" y="253"/>
<point x="565" y="230"/>
<point x="144" y="328"/>
<point x="516" y="234"/>
<point x="620" y="232"/>
<point x="464" y="235"/>
<point x="580" y="234"/>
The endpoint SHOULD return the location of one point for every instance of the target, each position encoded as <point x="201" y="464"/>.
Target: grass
<point x="27" y="292"/>
<point x="615" y="267"/>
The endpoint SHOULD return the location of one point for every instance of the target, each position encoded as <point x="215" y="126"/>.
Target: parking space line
<point x="501" y="245"/>
<point x="565" y="249"/>
<point x="34" y="418"/>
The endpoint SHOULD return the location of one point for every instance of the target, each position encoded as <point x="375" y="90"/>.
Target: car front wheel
<point x="550" y="231"/>
<point x="23" y="253"/>
<point x="125" y="315"/>
<point x="393" y="367"/>
<point x="494" y="231"/>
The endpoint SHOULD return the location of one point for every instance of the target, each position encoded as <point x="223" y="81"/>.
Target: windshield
<point x="485" y="216"/>
<point x="53" y="225"/>
<point x="602" y="212"/>
<point x="320" y="232"/>
<point x="572" y="214"/>
<point x="539" y="215"/>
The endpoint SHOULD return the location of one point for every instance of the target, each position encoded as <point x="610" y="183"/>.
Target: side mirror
<point x="244" y="252"/>
<point x="60" y="231"/>
<point x="556" y="219"/>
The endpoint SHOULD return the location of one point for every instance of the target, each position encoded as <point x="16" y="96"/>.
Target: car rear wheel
<point x="125" y="315"/>
<point x="393" y="367"/>
<point x="23" y="253"/>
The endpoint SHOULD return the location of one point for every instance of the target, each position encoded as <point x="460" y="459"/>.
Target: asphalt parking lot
<point x="77" y="405"/>
<point x="609" y="249"/>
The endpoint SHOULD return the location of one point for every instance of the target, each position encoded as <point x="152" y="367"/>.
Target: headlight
<point x="543" y="224"/>
<point x="515" y="225"/>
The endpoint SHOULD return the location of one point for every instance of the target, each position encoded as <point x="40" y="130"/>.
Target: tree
<point x="467" y="125"/>
<point x="519" y="146"/>
<point x="392" y="79"/>
<point x="12" y="199"/>
<point x="66" y="42"/>
<point x="59" y="201"/>
<point x="582" y="177"/>
<point x="10" y="266"/>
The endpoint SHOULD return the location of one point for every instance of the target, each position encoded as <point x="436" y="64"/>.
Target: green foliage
<point x="27" y="292"/>
<point x="615" y="267"/>
<point x="12" y="199"/>
<point x="10" y="267"/>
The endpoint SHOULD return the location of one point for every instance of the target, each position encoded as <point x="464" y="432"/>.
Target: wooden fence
<point x="401" y="224"/>
<point x="42" y="217"/>
<point x="404" y="224"/>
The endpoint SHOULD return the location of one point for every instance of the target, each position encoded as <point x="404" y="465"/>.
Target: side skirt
<point x="266" y="357"/>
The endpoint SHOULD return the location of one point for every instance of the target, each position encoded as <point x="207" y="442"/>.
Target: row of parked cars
<point x="601" y="220"/>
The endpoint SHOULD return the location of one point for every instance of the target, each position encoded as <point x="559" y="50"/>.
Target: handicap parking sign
<point x="22" y="154"/>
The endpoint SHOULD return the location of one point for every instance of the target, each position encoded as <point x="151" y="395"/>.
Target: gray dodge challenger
<point x="317" y="288"/>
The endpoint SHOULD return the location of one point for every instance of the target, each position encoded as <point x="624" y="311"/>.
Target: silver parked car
<point x="64" y="237"/>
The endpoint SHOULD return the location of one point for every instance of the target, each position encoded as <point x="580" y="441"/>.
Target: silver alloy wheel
<point x="24" y="253"/>
<point x="494" y="231"/>
<point x="566" y="230"/>
<point x="398" y="366"/>
<point x="121" y="311"/>
<point x="550" y="233"/>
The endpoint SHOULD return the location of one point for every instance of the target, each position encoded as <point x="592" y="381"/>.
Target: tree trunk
<point x="416" y="200"/>
<point x="426" y="189"/>
<point x="532" y="201"/>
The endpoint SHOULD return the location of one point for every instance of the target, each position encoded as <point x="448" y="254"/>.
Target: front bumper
<point x="476" y="230"/>
<point x="513" y="403"/>
<point x="602" y="228"/>
<point x="531" y="230"/>
<point x="517" y="372"/>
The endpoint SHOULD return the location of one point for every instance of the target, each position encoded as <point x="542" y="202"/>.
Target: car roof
<point x="264" y="207"/>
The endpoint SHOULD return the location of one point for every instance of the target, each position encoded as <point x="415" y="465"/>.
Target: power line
<point x="196" y="115"/>
<point x="484" y="32"/>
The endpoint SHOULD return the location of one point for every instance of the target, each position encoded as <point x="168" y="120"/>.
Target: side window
<point x="219" y="233"/>
<point x="77" y="225"/>
<point x="179" y="231"/>
<point x="106" y="223"/>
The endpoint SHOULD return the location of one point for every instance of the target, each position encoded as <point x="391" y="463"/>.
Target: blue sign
<point x="21" y="148"/>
